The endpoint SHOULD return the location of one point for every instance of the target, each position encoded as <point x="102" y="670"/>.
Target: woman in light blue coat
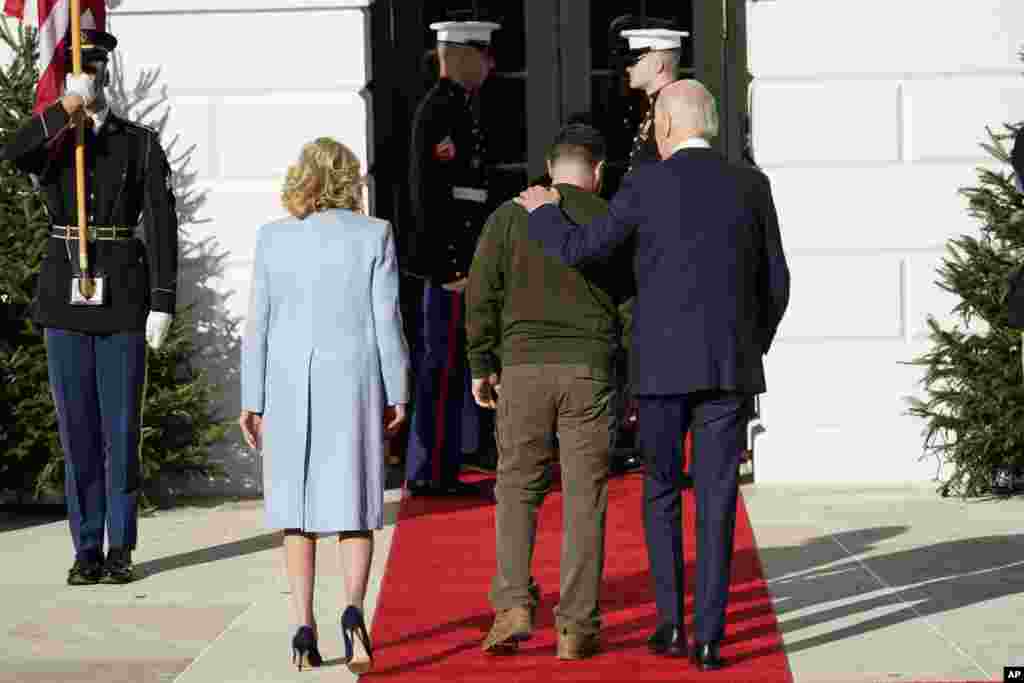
<point x="325" y="379"/>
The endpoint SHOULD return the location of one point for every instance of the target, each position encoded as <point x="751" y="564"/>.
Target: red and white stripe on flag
<point x="53" y="20"/>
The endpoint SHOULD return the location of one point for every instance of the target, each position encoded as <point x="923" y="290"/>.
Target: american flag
<point x="53" y="20"/>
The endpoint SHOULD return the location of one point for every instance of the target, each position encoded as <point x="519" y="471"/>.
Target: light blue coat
<point x="323" y="353"/>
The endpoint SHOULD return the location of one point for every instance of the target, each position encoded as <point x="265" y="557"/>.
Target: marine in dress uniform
<point x="451" y="200"/>
<point x="634" y="38"/>
<point x="96" y="347"/>
<point x="645" y="36"/>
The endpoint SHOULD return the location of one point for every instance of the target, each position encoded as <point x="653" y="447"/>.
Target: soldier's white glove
<point x="82" y="85"/>
<point x="157" y="325"/>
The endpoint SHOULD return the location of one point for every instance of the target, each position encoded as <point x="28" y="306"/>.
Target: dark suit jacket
<point x="711" y="276"/>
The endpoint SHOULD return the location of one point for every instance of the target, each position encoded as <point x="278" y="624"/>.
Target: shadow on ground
<point x="16" y="516"/>
<point x="927" y="580"/>
<point x="224" y="551"/>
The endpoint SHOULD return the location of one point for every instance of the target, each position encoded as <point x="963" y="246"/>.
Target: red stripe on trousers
<point x="442" y="398"/>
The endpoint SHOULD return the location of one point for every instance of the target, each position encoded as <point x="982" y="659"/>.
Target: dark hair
<point x="583" y="117"/>
<point x="578" y="141"/>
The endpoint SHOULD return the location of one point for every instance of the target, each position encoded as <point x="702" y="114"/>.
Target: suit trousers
<point x="717" y="421"/>
<point x="445" y="418"/>
<point x="534" y="401"/>
<point x="98" y="386"/>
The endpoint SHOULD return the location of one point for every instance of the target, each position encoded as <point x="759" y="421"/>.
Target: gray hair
<point x="694" y="106"/>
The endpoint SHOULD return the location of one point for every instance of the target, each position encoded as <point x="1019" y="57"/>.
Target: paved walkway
<point x="871" y="585"/>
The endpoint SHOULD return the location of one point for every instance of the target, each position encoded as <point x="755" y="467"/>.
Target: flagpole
<point x="86" y="285"/>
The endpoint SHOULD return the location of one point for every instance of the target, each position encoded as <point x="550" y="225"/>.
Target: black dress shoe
<point x="626" y="460"/>
<point x="668" y="640"/>
<point x="706" y="656"/>
<point x="85" y="572"/>
<point x="419" y="488"/>
<point x="358" y="650"/>
<point x="458" y="488"/>
<point x="118" y="567"/>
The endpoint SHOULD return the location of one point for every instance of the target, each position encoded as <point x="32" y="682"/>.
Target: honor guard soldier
<point x="652" y="62"/>
<point x="451" y="200"/>
<point x="96" y="338"/>
<point x="649" y="49"/>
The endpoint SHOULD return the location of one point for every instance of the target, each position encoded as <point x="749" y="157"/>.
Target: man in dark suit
<point x="712" y="286"/>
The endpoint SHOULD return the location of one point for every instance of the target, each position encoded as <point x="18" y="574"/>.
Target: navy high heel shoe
<point x="358" y="651"/>
<point x="304" y="649"/>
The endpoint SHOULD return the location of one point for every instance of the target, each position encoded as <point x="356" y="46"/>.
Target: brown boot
<point x="577" y="645"/>
<point x="511" y="626"/>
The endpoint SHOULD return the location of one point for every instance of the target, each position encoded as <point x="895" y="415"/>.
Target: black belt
<point x="94" y="232"/>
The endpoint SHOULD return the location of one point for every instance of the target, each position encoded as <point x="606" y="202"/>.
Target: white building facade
<point x="867" y="116"/>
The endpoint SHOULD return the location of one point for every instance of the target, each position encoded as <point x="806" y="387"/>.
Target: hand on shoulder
<point x="535" y="197"/>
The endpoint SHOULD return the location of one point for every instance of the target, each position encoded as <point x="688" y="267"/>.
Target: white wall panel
<point x="946" y="117"/>
<point x="846" y="296"/>
<point x="835" y="413"/>
<point x="255" y="51"/>
<point x="814" y="37"/>
<point x="260" y="136"/>
<point x="825" y="121"/>
<point x="879" y="207"/>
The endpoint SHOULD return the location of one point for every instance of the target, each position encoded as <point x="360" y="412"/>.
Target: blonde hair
<point x="326" y="176"/>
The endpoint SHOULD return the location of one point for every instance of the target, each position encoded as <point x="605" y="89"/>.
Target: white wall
<point x="244" y="83"/>
<point x="867" y="118"/>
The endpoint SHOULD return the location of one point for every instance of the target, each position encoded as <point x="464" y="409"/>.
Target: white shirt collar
<point x="692" y="143"/>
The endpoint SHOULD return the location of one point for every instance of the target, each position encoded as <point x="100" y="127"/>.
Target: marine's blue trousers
<point x="445" y="418"/>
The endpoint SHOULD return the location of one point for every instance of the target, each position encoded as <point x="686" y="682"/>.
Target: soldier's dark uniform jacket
<point x="645" y="147"/>
<point x="128" y="178"/>
<point x="451" y="200"/>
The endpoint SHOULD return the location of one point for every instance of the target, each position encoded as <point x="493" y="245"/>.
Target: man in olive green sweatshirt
<point x="549" y="332"/>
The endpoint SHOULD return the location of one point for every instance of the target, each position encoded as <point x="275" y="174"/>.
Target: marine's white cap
<point x="476" y="33"/>
<point x="654" y="38"/>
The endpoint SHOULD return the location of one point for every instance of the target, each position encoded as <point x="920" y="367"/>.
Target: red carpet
<point x="433" y="612"/>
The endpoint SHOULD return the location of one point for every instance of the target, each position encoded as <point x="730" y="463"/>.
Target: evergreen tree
<point x="974" y="408"/>
<point x="179" y="424"/>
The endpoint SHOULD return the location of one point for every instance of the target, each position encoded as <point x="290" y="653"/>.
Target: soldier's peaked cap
<point x="654" y="39"/>
<point x="96" y="45"/>
<point x="630" y="37"/>
<point x="474" y="33"/>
